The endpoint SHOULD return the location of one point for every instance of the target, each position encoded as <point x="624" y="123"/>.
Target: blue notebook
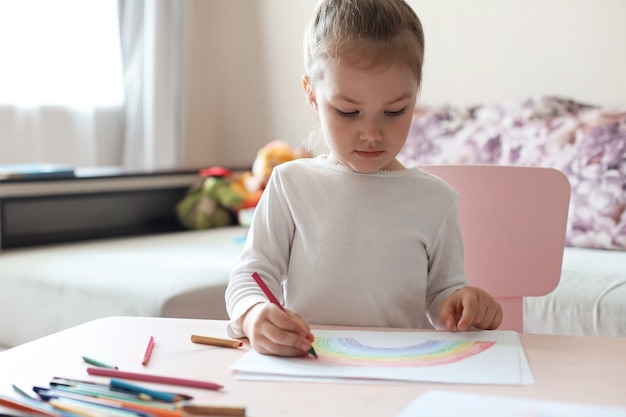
<point x="35" y="171"/>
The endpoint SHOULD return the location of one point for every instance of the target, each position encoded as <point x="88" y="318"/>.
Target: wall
<point x="497" y="50"/>
<point x="245" y="63"/>
<point x="244" y="79"/>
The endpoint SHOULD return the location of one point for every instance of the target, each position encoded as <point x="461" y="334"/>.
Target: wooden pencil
<point x="214" y="410"/>
<point x="216" y="341"/>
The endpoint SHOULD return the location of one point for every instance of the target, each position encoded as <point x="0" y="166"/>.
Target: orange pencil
<point x="146" y="355"/>
<point x="29" y="406"/>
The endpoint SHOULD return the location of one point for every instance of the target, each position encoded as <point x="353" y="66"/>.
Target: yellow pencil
<point x="216" y="341"/>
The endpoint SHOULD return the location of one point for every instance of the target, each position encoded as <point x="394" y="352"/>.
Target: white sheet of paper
<point x="481" y="357"/>
<point x="447" y="403"/>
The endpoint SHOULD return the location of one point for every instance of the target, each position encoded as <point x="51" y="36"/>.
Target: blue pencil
<point x="157" y="395"/>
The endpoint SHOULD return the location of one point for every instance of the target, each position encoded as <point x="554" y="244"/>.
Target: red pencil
<point x="273" y="299"/>
<point x="181" y="382"/>
<point x="266" y="290"/>
<point x="148" y="352"/>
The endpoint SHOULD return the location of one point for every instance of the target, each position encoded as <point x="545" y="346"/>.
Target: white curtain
<point x="56" y="109"/>
<point x="54" y="104"/>
<point x="153" y="53"/>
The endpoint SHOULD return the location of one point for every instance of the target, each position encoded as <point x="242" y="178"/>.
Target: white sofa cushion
<point x="49" y="288"/>
<point x="589" y="299"/>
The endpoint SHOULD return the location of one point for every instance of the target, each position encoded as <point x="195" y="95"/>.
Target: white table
<point x="566" y="368"/>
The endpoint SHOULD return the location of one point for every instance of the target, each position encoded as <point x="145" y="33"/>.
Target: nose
<point x="370" y="131"/>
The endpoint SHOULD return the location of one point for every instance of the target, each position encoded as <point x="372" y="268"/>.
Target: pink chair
<point x="513" y="220"/>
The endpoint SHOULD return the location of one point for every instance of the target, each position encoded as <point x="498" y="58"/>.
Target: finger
<point x="303" y="328"/>
<point x="267" y="338"/>
<point x="447" y="314"/>
<point x="266" y="346"/>
<point x="498" y="318"/>
<point x="285" y="333"/>
<point x="289" y="321"/>
<point x="280" y="342"/>
<point x="482" y="315"/>
<point x="494" y="318"/>
<point x="469" y="309"/>
<point x="486" y="320"/>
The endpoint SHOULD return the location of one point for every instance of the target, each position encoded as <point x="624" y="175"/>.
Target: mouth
<point x="369" y="154"/>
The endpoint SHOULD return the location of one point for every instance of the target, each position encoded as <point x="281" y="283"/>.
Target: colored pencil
<point x="90" y="405"/>
<point x="29" y="406"/>
<point x="24" y="393"/>
<point x="93" y="409"/>
<point x="155" y="409"/>
<point x="182" y="409"/>
<point x="95" y="391"/>
<point x="19" y="415"/>
<point x="89" y="388"/>
<point x="57" y="380"/>
<point x="94" y="362"/>
<point x="157" y="395"/>
<point x="157" y="379"/>
<point x="214" y="410"/>
<point x="216" y="341"/>
<point x="104" y="390"/>
<point x="273" y="299"/>
<point x="148" y="352"/>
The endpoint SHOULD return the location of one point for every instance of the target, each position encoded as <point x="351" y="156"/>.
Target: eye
<point x="347" y="113"/>
<point x="396" y="113"/>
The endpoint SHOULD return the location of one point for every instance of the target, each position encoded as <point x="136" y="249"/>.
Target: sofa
<point x="48" y="288"/>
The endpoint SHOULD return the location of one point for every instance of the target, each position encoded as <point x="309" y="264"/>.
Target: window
<point x="60" y="52"/>
<point x="62" y="82"/>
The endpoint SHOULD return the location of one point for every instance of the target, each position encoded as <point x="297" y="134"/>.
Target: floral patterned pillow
<point x="585" y="142"/>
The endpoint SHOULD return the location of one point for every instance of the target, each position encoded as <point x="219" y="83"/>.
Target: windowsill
<point x="96" y="179"/>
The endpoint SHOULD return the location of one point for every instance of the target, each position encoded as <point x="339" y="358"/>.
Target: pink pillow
<point x="587" y="143"/>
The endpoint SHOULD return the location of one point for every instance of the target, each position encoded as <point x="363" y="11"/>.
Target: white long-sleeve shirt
<point x="343" y="248"/>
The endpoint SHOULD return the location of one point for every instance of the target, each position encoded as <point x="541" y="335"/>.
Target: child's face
<point x="365" y="114"/>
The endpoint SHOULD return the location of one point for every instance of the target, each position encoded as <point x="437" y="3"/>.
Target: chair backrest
<point x="513" y="220"/>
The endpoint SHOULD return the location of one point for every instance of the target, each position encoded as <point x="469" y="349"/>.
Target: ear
<point x="308" y="90"/>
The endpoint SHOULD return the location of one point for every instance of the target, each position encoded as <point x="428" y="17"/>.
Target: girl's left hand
<point x="471" y="306"/>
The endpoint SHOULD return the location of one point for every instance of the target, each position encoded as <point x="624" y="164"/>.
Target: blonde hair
<point x="365" y="33"/>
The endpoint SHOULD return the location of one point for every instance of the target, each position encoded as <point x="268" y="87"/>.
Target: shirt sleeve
<point x="446" y="272"/>
<point x="266" y="251"/>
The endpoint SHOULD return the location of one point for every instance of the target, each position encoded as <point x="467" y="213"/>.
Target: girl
<point x="352" y="237"/>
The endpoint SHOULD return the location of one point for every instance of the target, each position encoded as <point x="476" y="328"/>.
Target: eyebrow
<point x="394" y="101"/>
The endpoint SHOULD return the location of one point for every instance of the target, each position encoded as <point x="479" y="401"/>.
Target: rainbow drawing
<point x="347" y="351"/>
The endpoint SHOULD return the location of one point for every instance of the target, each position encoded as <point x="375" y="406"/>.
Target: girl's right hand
<point x="272" y="331"/>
